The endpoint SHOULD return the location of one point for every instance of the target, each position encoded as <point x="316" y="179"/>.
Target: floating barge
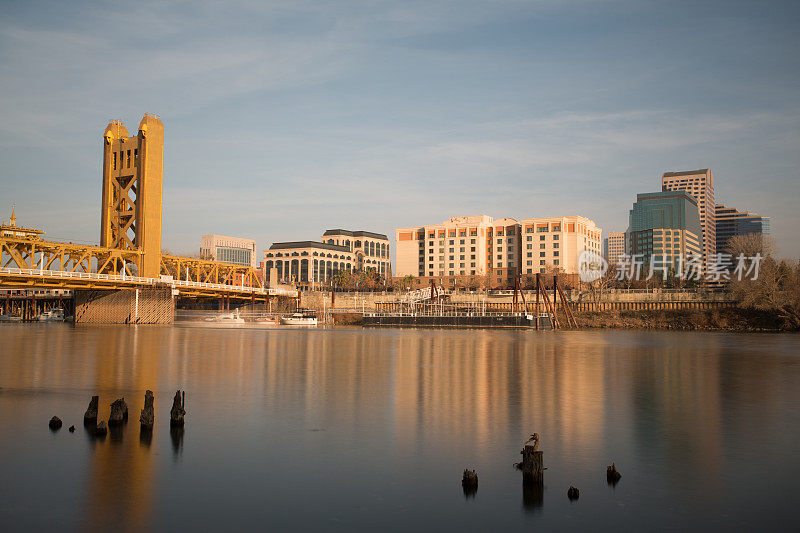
<point x="473" y="320"/>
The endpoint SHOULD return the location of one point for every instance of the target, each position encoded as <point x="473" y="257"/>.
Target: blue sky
<point x="286" y="118"/>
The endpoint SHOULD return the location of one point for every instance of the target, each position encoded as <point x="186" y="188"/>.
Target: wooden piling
<point x="532" y="464"/>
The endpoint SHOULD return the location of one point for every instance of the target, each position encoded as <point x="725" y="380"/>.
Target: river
<point x="349" y="428"/>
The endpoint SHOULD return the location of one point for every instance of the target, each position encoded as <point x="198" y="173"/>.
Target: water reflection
<point x="532" y="495"/>
<point x="176" y="436"/>
<point x="402" y="398"/>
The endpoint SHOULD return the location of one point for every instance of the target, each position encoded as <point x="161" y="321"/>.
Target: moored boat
<point x="301" y="318"/>
<point x="53" y="315"/>
<point x="226" y="319"/>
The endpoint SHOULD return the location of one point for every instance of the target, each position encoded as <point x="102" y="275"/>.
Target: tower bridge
<point x="129" y="254"/>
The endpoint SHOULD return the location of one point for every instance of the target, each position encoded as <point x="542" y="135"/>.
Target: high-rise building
<point x="614" y="246"/>
<point x="664" y="224"/>
<point x="501" y="249"/>
<point x="699" y="184"/>
<point x="233" y="250"/>
<point x="732" y="222"/>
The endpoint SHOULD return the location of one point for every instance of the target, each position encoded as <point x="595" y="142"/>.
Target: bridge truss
<point x="33" y="262"/>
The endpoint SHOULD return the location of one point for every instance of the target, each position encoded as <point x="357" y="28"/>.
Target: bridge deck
<point x="22" y="277"/>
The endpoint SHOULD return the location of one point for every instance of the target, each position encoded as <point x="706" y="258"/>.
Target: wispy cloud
<point x="283" y="117"/>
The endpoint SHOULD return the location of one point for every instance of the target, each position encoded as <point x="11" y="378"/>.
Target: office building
<point x="614" y="246"/>
<point x="732" y="222"/>
<point x="233" y="250"/>
<point x="307" y="262"/>
<point x="371" y="250"/>
<point x="664" y="224"/>
<point x="700" y="185"/>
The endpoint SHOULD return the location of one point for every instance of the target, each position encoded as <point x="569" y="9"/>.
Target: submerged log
<point x="90" y="416"/>
<point x="147" y="417"/>
<point x="55" y="423"/>
<point x="177" y="412"/>
<point x="612" y="474"/>
<point x="119" y="412"/>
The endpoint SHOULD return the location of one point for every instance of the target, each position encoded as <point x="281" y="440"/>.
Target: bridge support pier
<point x="126" y="306"/>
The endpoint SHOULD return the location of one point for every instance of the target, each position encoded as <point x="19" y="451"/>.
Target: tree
<point x="775" y="290"/>
<point x="409" y="281"/>
<point x="342" y="279"/>
<point x="749" y="245"/>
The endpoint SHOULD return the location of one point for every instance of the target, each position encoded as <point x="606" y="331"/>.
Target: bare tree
<point x="775" y="290"/>
<point x="750" y="244"/>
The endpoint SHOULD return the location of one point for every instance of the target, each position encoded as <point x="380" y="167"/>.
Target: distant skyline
<point x="284" y="119"/>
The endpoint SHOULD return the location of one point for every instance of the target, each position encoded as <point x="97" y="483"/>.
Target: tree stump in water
<point x="469" y="482"/>
<point x="532" y="464"/>
<point x="177" y="412"/>
<point x="119" y="412"/>
<point x="147" y="417"/>
<point x="55" y="423"/>
<point x="612" y="474"/>
<point x="100" y="430"/>
<point x="90" y="416"/>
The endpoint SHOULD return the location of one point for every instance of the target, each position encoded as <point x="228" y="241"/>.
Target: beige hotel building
<point x="480" y="246"/>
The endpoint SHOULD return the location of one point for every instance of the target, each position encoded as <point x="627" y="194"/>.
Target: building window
<point x="541" y="254"/>
<point x="541" y="237"/>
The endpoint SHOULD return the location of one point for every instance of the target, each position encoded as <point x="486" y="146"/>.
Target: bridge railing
<point x="136" y="280"/>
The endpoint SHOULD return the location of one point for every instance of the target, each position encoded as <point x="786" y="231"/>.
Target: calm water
<point x="347" y="428"/>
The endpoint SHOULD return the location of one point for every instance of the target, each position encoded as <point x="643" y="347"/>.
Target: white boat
<point x="301" y="318"/>
<point x="53" y="315"/>
<point x="10" y="318"/>
<point x="268" y="321"/>
<point x="226" y="319"/>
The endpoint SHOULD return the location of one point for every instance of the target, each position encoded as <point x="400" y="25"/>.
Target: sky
<point x="286" y="118"/>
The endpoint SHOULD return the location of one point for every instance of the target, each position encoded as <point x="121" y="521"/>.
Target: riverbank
<point x="731" y="319"/>
<point x="724" y="319"/>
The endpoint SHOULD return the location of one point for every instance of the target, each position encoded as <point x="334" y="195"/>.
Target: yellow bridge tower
<point x="133" y="178"/>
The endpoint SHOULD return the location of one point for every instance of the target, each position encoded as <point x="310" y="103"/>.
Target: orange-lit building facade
<point x="500" y="249"/>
